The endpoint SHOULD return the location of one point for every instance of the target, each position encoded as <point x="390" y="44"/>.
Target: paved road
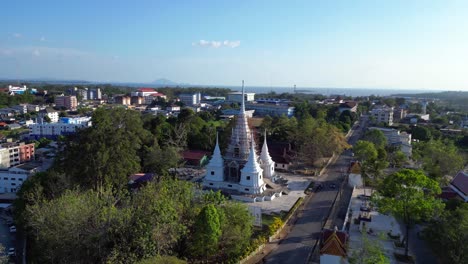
<point x="297" y="246"/>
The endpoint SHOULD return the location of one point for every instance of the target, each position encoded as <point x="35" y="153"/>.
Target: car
<point x="11" y="252"/>
<point x="12" y="229"/>
<point x="332" y="186"/>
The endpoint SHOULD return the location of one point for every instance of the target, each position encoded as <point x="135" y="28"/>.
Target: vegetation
<point x="410" y="196"/>
<point x="370" y="252"/>
<point x="448" y="235"/>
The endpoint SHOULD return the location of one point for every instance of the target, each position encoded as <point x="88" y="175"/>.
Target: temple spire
<point x="243" y="98"/>
<point x="265" y="156"/>
<point x="252" y="165"/>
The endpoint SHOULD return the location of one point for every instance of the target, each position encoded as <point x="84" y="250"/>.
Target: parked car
<point x="12" y="229"/>
<point x="11" y="252"/>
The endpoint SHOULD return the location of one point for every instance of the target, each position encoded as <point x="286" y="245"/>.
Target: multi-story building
<point x="13" y="153"/>
<point x="68" y="102"/>
<point x="397" y="138"/>
<point x="21" y="90"/>
<point x="123" y="100"/>
<point x="383" y="115"/>
<point x="236" y="97"/>
<point x="12" y="178"/>
<point x="94" y="94"/>
<point x="271" y="109"/>
<point x="66" y="126"/>
<point x="83" y="93"/>
<point x="51" y="113"/>
<point x="190" y="99"/>
<point x="137" y="100"/>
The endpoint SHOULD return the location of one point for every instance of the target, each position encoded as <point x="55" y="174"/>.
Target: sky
<point x="311" y="43"/>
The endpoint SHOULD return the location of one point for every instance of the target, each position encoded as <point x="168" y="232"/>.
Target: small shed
<point x="195" y="158"/>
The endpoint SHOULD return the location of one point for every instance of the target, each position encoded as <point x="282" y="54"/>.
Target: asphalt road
<point x="298" y="244"/>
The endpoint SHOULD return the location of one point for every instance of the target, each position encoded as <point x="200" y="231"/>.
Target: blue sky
<point x="362" y="44"/>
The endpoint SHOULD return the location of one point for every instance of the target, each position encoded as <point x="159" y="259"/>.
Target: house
<point x="460" y="185"/>
<point x="196" y="158"/>
<point x="66" y="126"/>
<point x="333" y="246"/>
<point x="282" y="154"/>
<point x="14" y="126"/>
<point x="139" y="179"/>
<point x="173" y="108"/>
<point x="348" y="106"/>
<point x="382" y="114"/>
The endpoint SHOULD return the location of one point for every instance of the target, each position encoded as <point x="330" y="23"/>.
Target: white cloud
<point x="217" y="44"/>
<point x="17" y="35"/>
<point x="231" y="44"/>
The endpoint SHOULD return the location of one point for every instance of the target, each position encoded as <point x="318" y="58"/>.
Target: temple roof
<point x="333" y="243"/>
<point x="252" y="165"/>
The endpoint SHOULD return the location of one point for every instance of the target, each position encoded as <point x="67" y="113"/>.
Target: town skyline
<point x="417" y="45"/>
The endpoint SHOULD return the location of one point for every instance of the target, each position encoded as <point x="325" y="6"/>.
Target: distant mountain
<point x="166" y="82"/>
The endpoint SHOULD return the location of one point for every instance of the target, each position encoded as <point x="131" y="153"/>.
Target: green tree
<point x="236" y="226"/>
<point x="365" y="150"/>
<point x="377" y="137"/>
<point x="410" y="196"/>
<point x="104" y="155"/>
<point x="439" y="158"/>
<point x="370" y="252"/>
<point x="448" y="235"/>
<point x="421" y="133"/>
<point x="207" y="231"/>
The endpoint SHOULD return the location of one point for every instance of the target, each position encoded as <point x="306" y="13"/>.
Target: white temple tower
<point x="268" y="165"/>
<point x="251" y="174"/>
<point x="239" y="170"/>
<point x="215" y="168"/>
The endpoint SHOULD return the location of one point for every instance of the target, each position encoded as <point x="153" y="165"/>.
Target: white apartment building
<point x="397" y="138"/>
<point x="12" y="178"/>
<point x="383" y="115"/>
<point x="64" y="127"/>
<point x="237" y="97"/>
<point x="51" y="113"/>
<point x="190" y="99"/>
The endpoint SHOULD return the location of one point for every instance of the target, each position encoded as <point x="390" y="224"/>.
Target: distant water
<point x="331" y="91"/>
<point x="325" y="91"/>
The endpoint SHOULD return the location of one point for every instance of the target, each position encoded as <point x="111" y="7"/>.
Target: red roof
<point x="461" y="182"/>
<point x="194" y="154"/>
<point x="448" y="193"/>
<point x="157" y="94"/>
<point x="3" y="124"/>
<point x="146" y="90"/>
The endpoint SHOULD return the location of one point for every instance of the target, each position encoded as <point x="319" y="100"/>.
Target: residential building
<point x="190" y="99"/>
<point x="68" y="102"/>
<point x="14" y="153"/>
<point x="20" y="90"/>
<point x="237" y="97"/>
<point x="83" y="93"/>
<point x="271" y="109"/>
<point x="399" y="114"/>
<point x="94" y="94"/>
<point x="21" y="108"/>
<point x="148" y="92"/>
<point x="240" y="169"/>
<point x="397" y="138"/>
<point x="196" y="158"/>
<point x="66" y="126"/>
<point x="460" y="185"/>
<point x="12" y="178"/>
<point x="137" y="100"/>
<point x="173" y="108"/>
<point x="382" y="114"/>
<point x="122" y="99"/>
<point x="51" y="113"/>
<point x="348" y="106"/>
